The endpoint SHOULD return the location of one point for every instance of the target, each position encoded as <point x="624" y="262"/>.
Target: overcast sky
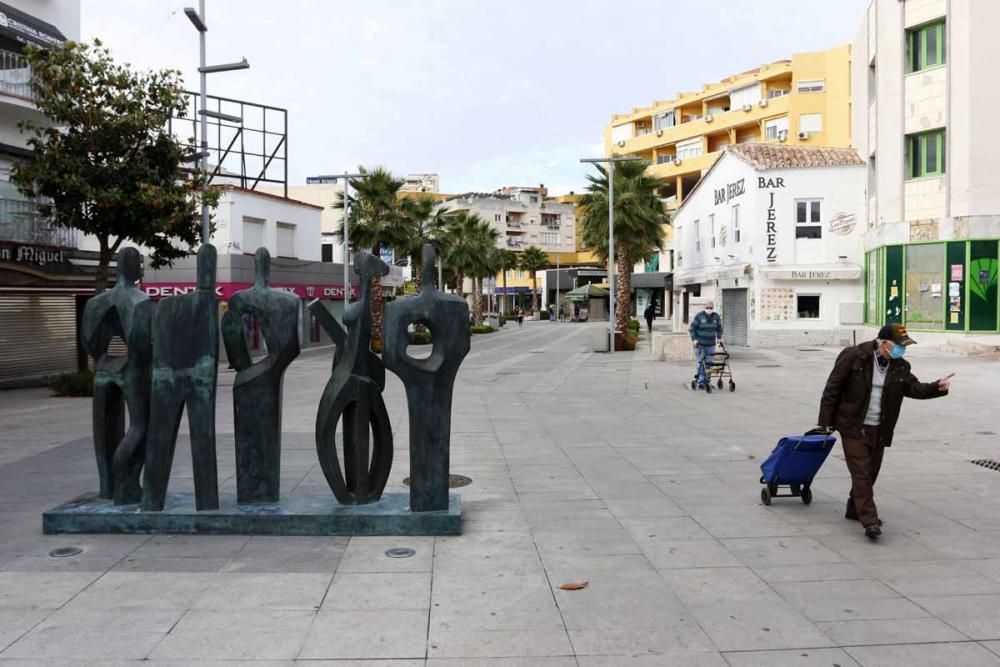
<point x="486" y="93"/>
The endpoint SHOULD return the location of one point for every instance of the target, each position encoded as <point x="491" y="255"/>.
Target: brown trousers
<point x="864" y="460"/>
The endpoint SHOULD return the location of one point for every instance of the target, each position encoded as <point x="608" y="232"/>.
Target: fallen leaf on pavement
<point x="751" y="457"/>
<point x="575" y="585"/>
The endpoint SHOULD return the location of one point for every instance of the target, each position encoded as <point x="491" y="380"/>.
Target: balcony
<point x="15" y="75"/>
<point x="21" y="223"/>
<point x="514" y="243"/>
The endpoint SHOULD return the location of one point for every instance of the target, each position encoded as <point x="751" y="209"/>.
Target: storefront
<point x="934" y="286"/>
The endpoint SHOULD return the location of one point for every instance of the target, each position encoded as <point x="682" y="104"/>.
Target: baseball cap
<point x="896" y="333"/>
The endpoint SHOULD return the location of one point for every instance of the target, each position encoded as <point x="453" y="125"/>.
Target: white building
<point x="422" y="183"/>
<point x="247" y="219"/>
<point x="923" y="117"/>
<point x="770" y="235"/>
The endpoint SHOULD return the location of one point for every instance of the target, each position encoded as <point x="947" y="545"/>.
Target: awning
<point x="708" y="274"/>
<point x="25" y="28"/>
<point x="652" y="280"/>
<point x="585" y="292"/>
<point x="813" y="272"/>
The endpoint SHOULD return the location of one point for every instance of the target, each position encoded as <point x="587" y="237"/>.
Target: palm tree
<point x="533" y="259"/>
<point x="484" y="266"/>
<point x="426" y="225"/>
<point x="507" y="260"/>
<point x="464" y="245"/>
<point x="377" y="221"/>
<point x="639" y="221"/>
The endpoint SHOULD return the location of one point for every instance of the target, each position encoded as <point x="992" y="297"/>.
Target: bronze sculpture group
<point x="172" y="363"/>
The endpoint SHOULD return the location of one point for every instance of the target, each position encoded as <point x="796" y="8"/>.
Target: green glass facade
<point x="935" y="286"/>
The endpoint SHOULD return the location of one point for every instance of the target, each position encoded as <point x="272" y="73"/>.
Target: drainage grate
<point x="65" y="552"/>
<point x="987" y="463"/>
<point x="400" y="552"/>
<point x="454" y="481"/>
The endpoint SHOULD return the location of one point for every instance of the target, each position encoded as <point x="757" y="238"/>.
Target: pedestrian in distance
<point x="705" y="331"/>
<point x="861" y="401"/>
<point x="552" y="312"/>
<point x="650" y="314"/>
<point x="520" y="317"/>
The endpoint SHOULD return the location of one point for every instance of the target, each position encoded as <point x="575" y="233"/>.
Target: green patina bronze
<point x="185" y="369"/>
<point x="119" y="381"/>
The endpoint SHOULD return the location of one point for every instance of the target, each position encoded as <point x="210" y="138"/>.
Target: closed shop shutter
<point x="734" y="316"/>
<point x="37" y="335"/>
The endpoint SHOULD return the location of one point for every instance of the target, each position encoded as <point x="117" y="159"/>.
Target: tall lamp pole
<point x="610" y="161"/>
<point x="197" y="19"/>
<point x="347" y="213"/>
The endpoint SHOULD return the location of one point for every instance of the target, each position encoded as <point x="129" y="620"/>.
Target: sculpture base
<point x="293" y="515"/>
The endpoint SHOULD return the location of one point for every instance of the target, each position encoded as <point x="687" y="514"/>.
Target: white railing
<point x="21" y="223"/>
<point x="15" y="75"/>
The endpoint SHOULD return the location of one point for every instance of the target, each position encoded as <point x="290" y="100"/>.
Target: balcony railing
<point x="514" y="243"/>
<point x="15" y="75"/>
<point x="21" y="223"/>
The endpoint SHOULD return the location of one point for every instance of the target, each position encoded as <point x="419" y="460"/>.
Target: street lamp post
<point x="610" y="161"/>
<point x="197" y="19"/>
<point x="347" y="213"/>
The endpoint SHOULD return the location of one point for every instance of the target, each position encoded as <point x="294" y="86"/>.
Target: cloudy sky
<point x="484" y="92"/>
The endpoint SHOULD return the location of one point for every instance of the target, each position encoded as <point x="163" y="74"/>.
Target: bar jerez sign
<point x="730" y="191"/>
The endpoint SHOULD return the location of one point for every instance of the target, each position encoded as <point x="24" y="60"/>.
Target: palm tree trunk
<point x="459" y="282"/>
<point x="477" y="301"/>
<point x="503" y="299"/>
<point x="377" y="305"/>
<point x="623" y="291"/>
<point x="418" y="273"/>
<point x="534" y="291"/>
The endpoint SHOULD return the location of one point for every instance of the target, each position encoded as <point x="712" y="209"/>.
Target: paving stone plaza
<point x="586" y="468"/>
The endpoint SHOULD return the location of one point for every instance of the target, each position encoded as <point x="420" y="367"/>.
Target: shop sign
<point x="730" y="191"/>
<point x="847" y="273"/>
<point x="321" y="180"/>
<point x="771" y="245"/>
<point x="225" y="290"/>
<point x="842" y="223"/>
<point x="29" y="254"/>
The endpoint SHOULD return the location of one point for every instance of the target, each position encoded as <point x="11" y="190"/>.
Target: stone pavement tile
<point x="627" y="639"/>
<point x="304" y="591"/>
<point x="762" y="551"/>
<point x="82" y="563"/>
<point x="774" y="574"/>
<point x="859" y="608"/>
<point x="363" y="634"/>
<point x="814" y="657"/>
<point x="891" y="546"/>
<point x="669" y="554"/>
<point x="146" y="590"/>
<point x="927" y="578"/>
<point x="367" y="554"/>
<point x="536" y="661"/>
<point x="978" y="616"/>
<point x="966" y="654"/>
<point x="268" y="553"/>
<point x="55" y="642"/>
<point x="169" y="564"/>
<point x="41" y="590"/>
<point x="472" y="643"/>
<point x="192" y="546"/>
<point x="711" y="586"/>
<point x="893" y="631"/>
<point x="635" y="508"/>
<point x="649" y="530"/>
<point x="236" y="635"/>
<point x="352" y="663"/>
<point x="694" y="492"/>
<point x="993" y="646"/>
<point x="373" y="591"/>
<point x="670" y="657"/>
<point x="971" y="544"/>
<point x="798" y="592"/>
<point x="16" y="622"/>
<point x="749" y="626"/>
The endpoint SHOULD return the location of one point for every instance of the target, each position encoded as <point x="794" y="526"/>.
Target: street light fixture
<point x="610" y="161"/>
<point x="197" y="19"/>
<point x="220" y="116"/>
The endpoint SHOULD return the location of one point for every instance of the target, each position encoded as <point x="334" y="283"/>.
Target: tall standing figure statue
<point x="354" y="393"/>
<point x="185" y="368"/>
<point x="257" y="389"/>
<point x="429" y="382"/>
<point x="124" y="311"/>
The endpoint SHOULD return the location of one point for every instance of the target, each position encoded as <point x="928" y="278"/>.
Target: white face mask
<point x="708" y="310"/>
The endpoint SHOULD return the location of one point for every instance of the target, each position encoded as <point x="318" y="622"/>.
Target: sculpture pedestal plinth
<point x="293" y="515"/>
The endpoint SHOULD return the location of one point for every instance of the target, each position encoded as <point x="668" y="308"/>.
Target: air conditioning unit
<point x="659" y="133"/>
<point x="677" y="162"/>
<point x="762" y="103"/>
<point x="708" y="118"/>
<point x="782" y="135"/>
<point x="747" y="107"/>
<point x="621" y="142"/>
<point x="803" y="136"/>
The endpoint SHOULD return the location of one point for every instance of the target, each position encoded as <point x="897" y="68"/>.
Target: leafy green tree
<point x="639" y="225"/>
<point x="104" y="162"/>
<point x="377" y="220"/>
<point x="532" y="260"/>
<point x="507" y="260"/>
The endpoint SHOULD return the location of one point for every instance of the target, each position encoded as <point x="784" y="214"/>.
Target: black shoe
<point x="873" y="532"/>
<point x="851" y="513"/>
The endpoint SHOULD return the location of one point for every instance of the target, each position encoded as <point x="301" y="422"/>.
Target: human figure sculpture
<point x="257" y="389"/>
<point x="119" y="381"/>
<point x="185" y="368"/>
<point x="429" y="382"/>
<point x="354" y="393"/>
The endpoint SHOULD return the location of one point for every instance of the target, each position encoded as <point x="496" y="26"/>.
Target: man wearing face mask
<point x="861" y="400"/>
<point x="705" y="330"/>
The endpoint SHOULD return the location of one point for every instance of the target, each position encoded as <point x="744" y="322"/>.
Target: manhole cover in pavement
<point x="400" y="552"/>
<point x="454" y="481"/>
<point x="768" y="365"/>
<point x="987" y="463"/>
<point x="65" y="552"/>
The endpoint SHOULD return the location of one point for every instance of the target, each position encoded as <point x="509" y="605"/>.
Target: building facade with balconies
<point x="923" y="117"/>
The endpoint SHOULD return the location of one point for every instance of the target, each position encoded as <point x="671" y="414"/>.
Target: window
<point x="253" y="234"/>
<point x="776" y="129"/>
<point x="925" y="154"/>
<point x="327" y="253"/>
<point x="925" y="46"/>
<point x="534" y="200"/>
<point x="811" y="122"/>
<point x="711" y="227"/>
<point x="807" y="219"/>
<point x="689" y="148"/>
<point x="738" y="97"/>
<point x="697" y="236"/>
<point x="496" y="217"/>
<point x="663" y="159"/>
<point x="550" y="239"/>
<point x="286" y="240"/>
<point x="735" y="219"/>
<point x="664" y="120"/>
<point x="807" y="306"/>
<point x="926" y="283"/>
<point x="812" y="86"/>
<point x="777" y="92"/>
<point x="621" y="132"/>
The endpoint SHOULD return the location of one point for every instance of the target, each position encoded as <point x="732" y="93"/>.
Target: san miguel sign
<point x="29" y="254"/>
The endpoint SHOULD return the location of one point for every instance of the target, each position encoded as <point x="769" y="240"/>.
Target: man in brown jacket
<point x="861" y="400"/>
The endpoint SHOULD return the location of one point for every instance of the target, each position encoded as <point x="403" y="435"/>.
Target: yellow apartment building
<point x="805" y="100"/>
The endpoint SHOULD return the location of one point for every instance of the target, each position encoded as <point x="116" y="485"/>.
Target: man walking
<point x="705" y="330"/>
<point x="861" y="400"/>
<point x="650" y="314"/>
